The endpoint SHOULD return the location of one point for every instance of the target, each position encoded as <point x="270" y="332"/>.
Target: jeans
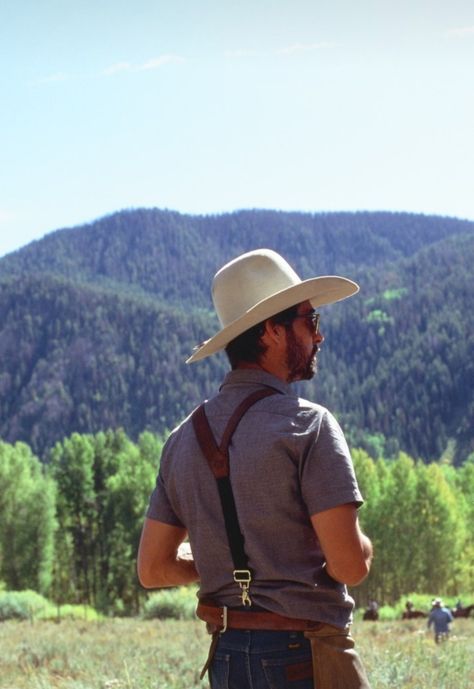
<point x="261" y="660"/>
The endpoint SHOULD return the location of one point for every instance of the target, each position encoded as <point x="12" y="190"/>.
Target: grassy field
<point x="134" y="654"/>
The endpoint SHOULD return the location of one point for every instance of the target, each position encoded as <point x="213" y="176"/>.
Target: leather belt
<point x="223" y="618"/>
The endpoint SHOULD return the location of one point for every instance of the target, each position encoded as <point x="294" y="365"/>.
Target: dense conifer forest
<point x="96" y="322"/>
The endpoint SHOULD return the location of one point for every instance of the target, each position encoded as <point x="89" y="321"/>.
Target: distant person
<point x="262" y="482"/>
<point x="371" y="611"/>
<point x="373" y="606"/>
<point x="440" y="617"/>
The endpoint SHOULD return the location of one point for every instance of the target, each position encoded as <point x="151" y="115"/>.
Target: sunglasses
<point x="312" y="320"/>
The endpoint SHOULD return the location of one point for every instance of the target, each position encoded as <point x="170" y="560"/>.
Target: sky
<point x="211" y="106"/>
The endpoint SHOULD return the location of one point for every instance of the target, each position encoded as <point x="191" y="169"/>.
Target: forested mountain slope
<point x="96" y="321"/>
<point x="172" y="256"/>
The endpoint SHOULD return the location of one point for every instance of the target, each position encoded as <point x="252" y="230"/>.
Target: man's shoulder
<point x="293" y="406"/>
<point x="178" y="431"/>
<point x="310" y="406"/>
<point x="301" y="411"/>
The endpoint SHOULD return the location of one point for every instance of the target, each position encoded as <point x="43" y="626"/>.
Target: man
<point x="283" y="615"/>
<point x="440" y="617"/>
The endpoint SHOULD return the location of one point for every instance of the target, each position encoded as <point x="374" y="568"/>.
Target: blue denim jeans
<point x="261" y="660"/>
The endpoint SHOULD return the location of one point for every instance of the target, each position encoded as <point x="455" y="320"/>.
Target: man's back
<point x="440" y="617"/>
<point x="288" y="460"/>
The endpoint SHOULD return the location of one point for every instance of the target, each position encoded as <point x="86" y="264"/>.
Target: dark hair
<point x="248" y="346"/>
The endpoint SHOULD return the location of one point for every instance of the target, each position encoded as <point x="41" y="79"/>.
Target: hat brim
<point x="319" y="291"/>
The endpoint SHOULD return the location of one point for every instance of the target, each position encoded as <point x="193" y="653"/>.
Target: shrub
<point x="388" y="613"/>
<point x="76" y="612"/>
<point x="23" y="605"/>
<point x="178" y="603"/>
<point x="29" y="605"/>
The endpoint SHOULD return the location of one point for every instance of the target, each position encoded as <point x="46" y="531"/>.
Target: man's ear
<point x="272" y="332"/>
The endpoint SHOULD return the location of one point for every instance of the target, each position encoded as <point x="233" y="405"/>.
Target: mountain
<point x="96" y="322"/>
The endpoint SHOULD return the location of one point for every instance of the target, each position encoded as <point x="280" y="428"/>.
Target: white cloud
<point x="461" y="32"/>
<point x="115" y="69"/>
<point x="241" y="53"/>
<point x="59" y="76"/>
<point x="153" y="63"/>
<point x="157" y="62"/>
<point x="288" y="50"/>
<point x="304" y="48"/>
<point x="120" y="68"/>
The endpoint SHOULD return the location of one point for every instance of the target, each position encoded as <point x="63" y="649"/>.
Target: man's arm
<point x="161" y="561"/>
<point x="347" y="550"/>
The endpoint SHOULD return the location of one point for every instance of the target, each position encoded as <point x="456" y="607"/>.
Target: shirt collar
<point x="255" y="376"/>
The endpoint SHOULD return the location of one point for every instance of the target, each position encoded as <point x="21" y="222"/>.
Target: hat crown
<point x="247" y="280"/>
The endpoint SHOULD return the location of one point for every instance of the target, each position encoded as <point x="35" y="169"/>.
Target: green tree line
<point x="420" y="518"/>
<point x="70" y="528"/>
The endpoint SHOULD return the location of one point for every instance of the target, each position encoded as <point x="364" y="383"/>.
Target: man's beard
<point x="301" y="366"/>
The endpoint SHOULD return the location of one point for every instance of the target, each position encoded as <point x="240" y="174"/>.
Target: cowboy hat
<point x="256" y="286"/>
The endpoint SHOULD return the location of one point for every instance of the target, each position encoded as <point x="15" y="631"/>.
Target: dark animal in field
<point x="371" y="615"/>
<point x="462" y="612"/>
<point x="413" y="614"/>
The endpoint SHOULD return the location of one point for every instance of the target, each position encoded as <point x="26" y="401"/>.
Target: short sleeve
<point x="159" y="507"/>
<point x="328" y="478"/>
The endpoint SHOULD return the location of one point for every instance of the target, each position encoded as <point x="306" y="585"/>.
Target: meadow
<point x="168" y="654"/>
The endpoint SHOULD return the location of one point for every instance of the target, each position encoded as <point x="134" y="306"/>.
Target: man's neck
<point x="266" y="367"/>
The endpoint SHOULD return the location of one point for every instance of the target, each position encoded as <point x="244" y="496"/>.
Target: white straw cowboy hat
<point x="256" y="286"/>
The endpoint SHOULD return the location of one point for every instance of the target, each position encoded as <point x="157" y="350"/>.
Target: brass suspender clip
<point x="243" y="577"/>
<point x="224" y="620"/>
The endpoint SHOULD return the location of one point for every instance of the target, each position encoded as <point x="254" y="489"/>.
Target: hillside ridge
<point x="96" y="322"/>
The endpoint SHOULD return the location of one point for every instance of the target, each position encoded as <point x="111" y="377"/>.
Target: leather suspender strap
<point x="217" y="457"/>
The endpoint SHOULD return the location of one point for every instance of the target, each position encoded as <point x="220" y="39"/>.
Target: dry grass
<point x="404" y="655"/>
<point x="133" y="654"/>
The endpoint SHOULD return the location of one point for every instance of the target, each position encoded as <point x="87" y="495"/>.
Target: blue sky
<point x="208" y="106"/>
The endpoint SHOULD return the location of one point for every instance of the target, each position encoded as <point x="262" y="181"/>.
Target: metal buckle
<point x="224" y="619"/>
<point x="243" y="577"/>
